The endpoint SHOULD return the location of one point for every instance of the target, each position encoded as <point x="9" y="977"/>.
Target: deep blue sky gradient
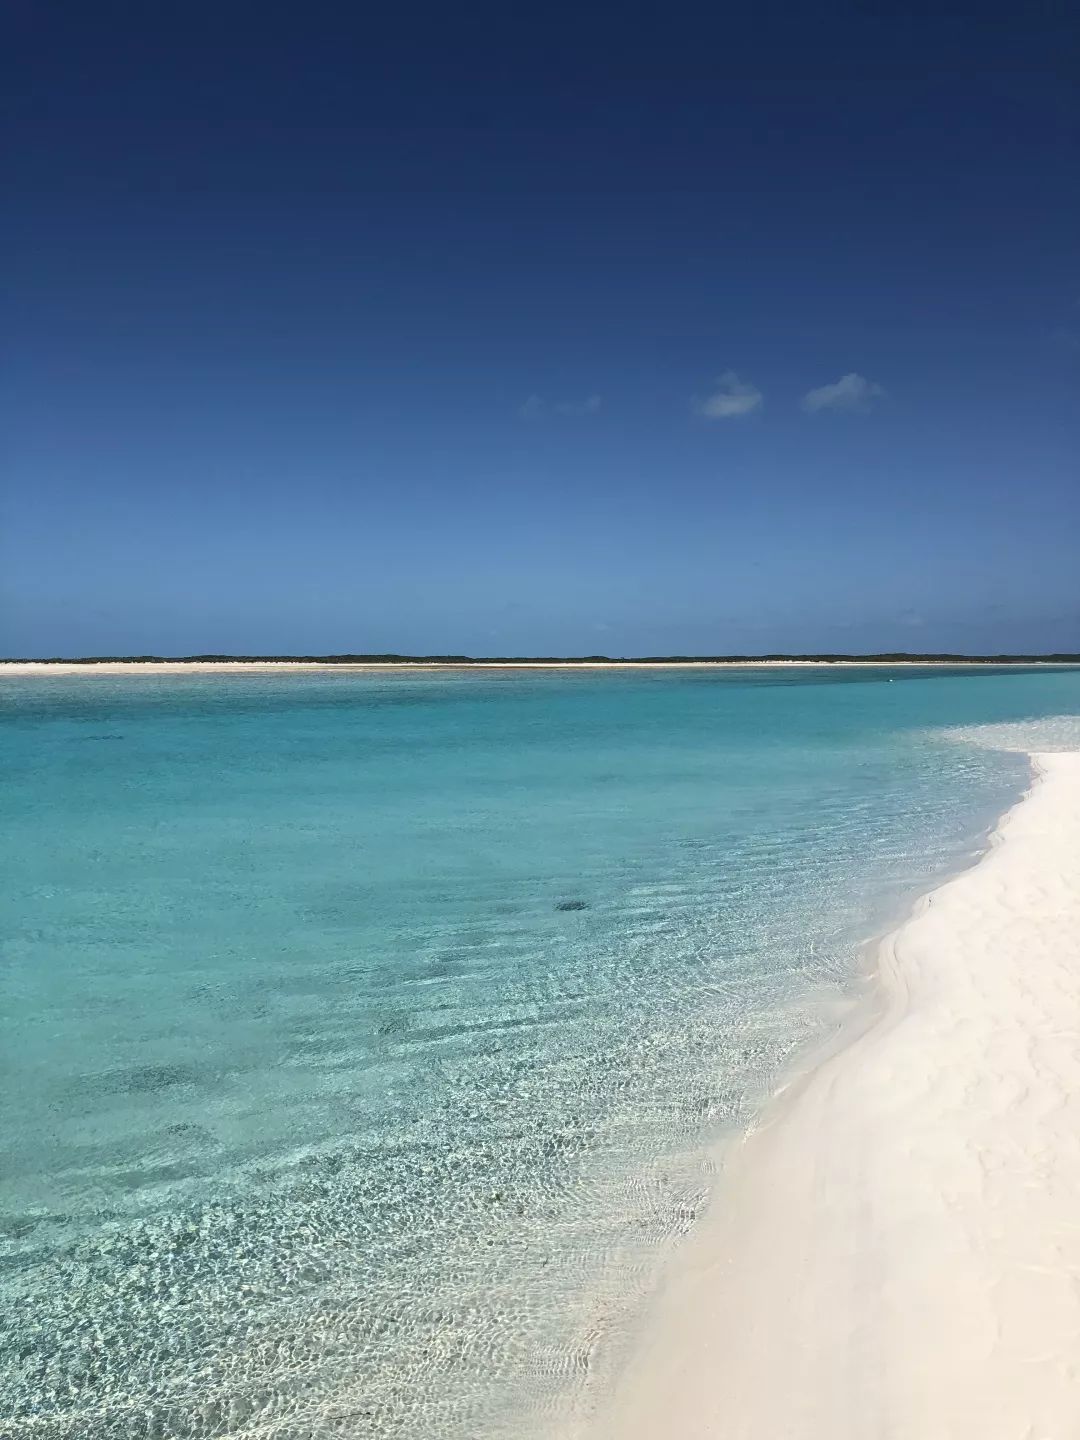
<point x="281" y="281"/>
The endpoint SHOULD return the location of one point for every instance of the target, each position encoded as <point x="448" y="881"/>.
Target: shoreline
<point x="894" y="1252"/>
<point x="27" y="668"/>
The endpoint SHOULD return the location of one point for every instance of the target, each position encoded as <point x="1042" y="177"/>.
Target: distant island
<point x="892" y="657"/>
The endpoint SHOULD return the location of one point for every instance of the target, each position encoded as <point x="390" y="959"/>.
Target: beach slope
<point x="896" y="1251"/>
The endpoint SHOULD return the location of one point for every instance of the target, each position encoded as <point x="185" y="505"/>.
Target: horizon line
<point x="397" y="658"/>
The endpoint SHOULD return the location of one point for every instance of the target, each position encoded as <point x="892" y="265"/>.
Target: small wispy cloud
<point x="850" y="392"/>
<point x="731" y="398"/>
<point x="535" y="407"/>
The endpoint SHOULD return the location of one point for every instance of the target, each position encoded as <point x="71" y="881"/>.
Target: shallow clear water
<point x="364" y="1038"/>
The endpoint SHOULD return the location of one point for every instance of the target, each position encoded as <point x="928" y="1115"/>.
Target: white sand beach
<point x="895" y="1252"/>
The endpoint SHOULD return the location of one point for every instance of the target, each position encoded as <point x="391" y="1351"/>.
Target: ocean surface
<point x="367" y="1040"/>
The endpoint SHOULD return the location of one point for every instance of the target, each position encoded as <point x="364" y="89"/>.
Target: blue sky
<point x="557" y="332"/>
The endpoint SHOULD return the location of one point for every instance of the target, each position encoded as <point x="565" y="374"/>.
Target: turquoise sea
<point x="366" y="1039"/>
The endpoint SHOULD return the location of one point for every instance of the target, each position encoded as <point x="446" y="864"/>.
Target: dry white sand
<point x="896" y="1251"/>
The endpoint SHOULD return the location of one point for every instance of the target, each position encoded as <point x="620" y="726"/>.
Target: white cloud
<point x="588" y="406"/>
<point x="731" y="397"/>
<point x="536" y="406"/>
<point x="850" y="392"/>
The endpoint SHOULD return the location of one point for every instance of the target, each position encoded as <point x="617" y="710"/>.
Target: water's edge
<point x="845" y="1019"/>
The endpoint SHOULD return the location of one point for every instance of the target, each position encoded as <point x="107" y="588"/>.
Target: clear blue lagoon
<point x="367" y="1040"/>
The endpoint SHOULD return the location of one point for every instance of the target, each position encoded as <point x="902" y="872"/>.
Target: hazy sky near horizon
<point x="556" y="330"/>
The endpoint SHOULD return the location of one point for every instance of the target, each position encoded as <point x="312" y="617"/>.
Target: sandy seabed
<point x="895" y="1251"/>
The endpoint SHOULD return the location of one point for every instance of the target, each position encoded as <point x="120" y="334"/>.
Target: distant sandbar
<point x="236" y="667"/>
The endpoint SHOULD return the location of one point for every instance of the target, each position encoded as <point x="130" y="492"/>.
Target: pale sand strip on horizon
<point x="896" y="1251"/>
<point x="238" y="667"/>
